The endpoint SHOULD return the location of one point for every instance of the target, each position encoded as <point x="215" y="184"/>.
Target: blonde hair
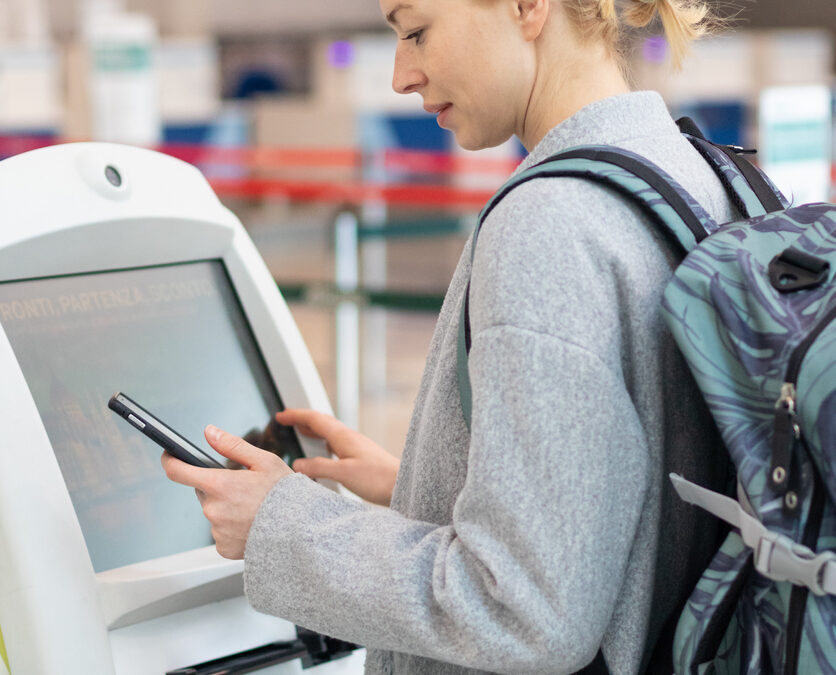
<point x="610" y="20"/>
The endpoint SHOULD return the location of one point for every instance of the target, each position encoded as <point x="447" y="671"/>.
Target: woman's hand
<point x="230" y="499"/>
<point x="361" y="465"/>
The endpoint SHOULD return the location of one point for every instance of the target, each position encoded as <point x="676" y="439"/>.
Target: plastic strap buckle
<point x="776" y="556"/>
<point x="779" y="558"/>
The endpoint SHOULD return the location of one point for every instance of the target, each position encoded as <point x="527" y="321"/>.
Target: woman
<point x="548" y="532"/>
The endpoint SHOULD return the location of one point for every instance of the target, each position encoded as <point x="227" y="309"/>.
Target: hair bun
<point x="682" y="21"/>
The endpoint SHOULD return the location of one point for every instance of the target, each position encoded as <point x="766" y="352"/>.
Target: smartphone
<point x="160" y="433"/>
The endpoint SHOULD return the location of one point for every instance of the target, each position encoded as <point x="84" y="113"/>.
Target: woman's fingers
<point x="186" y="474"/>
<point x="321" y="467"/>
<point x="310" y="422"/>
<point x="371" y="479"/>
<point x="232" y="447"/>
<point x="361" y="465"/>
<point x="315" y="424"/>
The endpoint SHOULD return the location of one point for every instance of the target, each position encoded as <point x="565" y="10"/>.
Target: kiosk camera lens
<point x="113" y="176"/>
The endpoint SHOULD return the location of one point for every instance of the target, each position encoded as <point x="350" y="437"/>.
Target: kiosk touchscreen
<point x="121" y="271"/>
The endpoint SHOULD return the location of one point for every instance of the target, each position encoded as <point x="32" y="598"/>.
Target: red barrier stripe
<point x="429" y="196"/>
<point x="413" y="161"/>
<point x="16" y="145"/>
<point x="391" y="160"/>
<point x="263" y="158"/>
<point x="443" y="163"/>
<point x="404" y="194"/>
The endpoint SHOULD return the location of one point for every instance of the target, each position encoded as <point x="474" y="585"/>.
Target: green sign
<point x="798" y="141"/>
<point x="122" y="58"/>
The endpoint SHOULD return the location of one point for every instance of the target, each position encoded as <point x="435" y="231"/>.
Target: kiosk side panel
<point x="49" y="607"/>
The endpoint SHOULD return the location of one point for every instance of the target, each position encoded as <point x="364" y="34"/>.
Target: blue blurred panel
<point x="187" y="133"/>
<point x="721" y="121"/>
<point x="257" y="82"/>
<point x="419" y="132"/>
<point x="230" y="128"/>
<point x="35" y="133"/>
<point x="377" y="133"/>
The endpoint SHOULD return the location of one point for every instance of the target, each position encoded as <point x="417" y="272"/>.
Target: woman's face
<point x="468" y="61"/>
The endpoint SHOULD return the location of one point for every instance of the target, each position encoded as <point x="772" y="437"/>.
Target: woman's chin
<point x="467" y="141"/>
<point x="477" y="143"/>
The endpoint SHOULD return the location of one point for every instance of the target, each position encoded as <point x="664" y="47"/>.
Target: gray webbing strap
<point x="465" y="391"/>
<point x="777" y="557"/>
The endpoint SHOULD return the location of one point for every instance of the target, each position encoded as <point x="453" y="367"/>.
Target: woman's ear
<point x="532" y="15"/>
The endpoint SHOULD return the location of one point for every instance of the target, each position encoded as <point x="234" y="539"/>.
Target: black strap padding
<point x="701" y="146"/>
<point x="688" y="126"/>
<point x="760" y="186"/>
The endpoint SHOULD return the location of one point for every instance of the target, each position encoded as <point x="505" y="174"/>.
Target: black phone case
<point x="163" y="441"/>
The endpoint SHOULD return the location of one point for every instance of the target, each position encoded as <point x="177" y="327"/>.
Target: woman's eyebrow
<point x="390" y="17"/>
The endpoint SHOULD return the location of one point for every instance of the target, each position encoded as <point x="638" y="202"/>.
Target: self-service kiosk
<point x="121" y="270"/>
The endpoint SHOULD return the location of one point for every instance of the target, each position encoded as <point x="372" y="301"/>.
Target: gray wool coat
<point x="551" y="529"/>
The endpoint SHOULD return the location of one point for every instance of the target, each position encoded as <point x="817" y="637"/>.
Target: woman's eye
<point x="415" y="35"/>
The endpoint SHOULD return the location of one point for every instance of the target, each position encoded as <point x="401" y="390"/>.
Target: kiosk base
<point x="312" y="648"/>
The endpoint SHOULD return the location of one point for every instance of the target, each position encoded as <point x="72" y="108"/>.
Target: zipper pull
<point x="740" y="150"/>
<point x="785" y="432"/>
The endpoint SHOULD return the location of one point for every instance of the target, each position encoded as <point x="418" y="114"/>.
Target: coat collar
<point x="609" y="121"/>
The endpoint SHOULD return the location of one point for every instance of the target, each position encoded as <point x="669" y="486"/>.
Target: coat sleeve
<point x="526" y="576"/>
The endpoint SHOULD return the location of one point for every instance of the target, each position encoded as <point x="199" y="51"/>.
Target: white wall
<point x="229" y="17"/>
<point x="294" y="15"/>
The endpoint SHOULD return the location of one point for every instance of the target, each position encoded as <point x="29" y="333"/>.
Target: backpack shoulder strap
<point x="672" y="208"/>
<point x="668" y="205"/>
<point x="750" y="189"/>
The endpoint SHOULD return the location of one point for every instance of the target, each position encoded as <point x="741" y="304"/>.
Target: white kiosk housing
<point x="121" y="270"/>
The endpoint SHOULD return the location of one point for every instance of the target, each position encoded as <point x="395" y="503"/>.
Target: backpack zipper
<point x="786" y="430"/>
<point x="799" y="594"/>
<point x="794" y="365"/>
<point x="783" y="445"/>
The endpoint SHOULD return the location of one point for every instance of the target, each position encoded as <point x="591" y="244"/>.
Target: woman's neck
<point x="562" y="88"/>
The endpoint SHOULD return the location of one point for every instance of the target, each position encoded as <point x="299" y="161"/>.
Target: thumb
<point x="321" y="467"/>
<point x="233" y="447"/>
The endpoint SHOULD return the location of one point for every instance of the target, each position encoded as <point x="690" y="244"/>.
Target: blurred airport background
<point x="358" y="202"/>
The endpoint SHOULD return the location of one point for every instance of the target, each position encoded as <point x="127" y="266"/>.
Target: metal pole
<point x="347" y="320"/>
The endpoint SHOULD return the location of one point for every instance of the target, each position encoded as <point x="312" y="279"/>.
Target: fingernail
<point x="213" y="432"/>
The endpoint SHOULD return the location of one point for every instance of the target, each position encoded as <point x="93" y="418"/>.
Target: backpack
<point x="752" y="308"/>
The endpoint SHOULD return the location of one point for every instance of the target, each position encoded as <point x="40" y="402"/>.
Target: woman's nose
<point x="408" y="77"/>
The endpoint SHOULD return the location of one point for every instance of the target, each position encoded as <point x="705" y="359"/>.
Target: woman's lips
<point x="442" y="110"/>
